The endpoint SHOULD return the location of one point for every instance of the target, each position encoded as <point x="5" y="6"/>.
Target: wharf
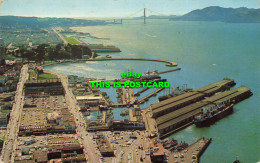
<point x="191" y="153"/>
<point x="141" y="91"/>
<point x="177" y="102"/>
<point x="118" y="105"/>
<point x="171" y="122"/>
<point x="131" y="116"/>
<point x="104" y="115"/>
<point x="142" y="100"/>
<point x="176" y="69"/>
<point x="128" y="95"/>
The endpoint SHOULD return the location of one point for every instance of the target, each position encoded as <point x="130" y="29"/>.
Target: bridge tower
<point x="144" y="17"/>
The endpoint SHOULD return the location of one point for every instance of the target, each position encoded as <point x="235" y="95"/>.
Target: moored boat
<point x="211" y="114"/>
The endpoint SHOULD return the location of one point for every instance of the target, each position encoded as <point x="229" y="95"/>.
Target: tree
<point x="40" y="51"/>
<point x="76" y="51"/>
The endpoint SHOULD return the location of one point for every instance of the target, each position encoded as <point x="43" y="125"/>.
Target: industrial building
<point x="156" y="152"/>
<point x="177" y="102"/>
<point x="168" y="123"/>
<point x="63" y="148"/>
<point x="105" y="147"/>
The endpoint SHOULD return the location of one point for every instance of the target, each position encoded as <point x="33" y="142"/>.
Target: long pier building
<point x="177" y="102"/>
<point x="173" y="121"/>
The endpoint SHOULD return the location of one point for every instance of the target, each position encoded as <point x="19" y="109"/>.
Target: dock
<point x="127" y="95"/>
<point x="131" y="116"/>
<point x="118" y="105"/>
<point x="141" y="91"/>
<point x="104" y="115"/>
<point x="176" y="69"/>
<point x="142" y="100"/>
<point x="174" y="121"/>
<point x="191" y="153"/>
<point x="177" y="102"/>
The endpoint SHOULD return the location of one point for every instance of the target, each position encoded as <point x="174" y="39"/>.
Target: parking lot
<point x="129" y="146"/>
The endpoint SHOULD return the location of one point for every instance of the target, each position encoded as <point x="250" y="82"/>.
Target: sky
<point x="112" y="8"/>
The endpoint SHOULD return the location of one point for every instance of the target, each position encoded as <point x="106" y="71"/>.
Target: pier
<point x="183" y="117"/>
<point x="176" y="69"/>
<point x="104" y="115"/>
<point x="177" y="102"/>
<point x="168" y="63"/>
<point x="191" y="153"/>
<point x="127" y="95"/>
<point x="141" y="91"/>
<point x="142" y="100"/>
<point x="118" y="105"/>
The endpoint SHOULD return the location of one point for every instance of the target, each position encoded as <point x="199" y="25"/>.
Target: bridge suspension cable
<point x="155" y="12"/>
<point x="134" y="13"/>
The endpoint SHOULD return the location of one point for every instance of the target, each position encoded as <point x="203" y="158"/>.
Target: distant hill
<point x="35" y="22"/>
<point x="215" y="13"/>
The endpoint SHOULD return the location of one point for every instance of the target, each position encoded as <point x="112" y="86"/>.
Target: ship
<point x="150" y="75"/>
<point x="170" y="143"/>
<point x="124" y="113"/>
<point x="176" y="92"/>
<point x="178" y="147"/>
<point x="108" y="56"/>
<point x="213" y="113"/>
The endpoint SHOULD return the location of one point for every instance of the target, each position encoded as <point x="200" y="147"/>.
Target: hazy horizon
<point x="111" y="8"/>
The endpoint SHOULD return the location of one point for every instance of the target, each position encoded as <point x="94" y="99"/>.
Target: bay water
<point x="206" y="52"/>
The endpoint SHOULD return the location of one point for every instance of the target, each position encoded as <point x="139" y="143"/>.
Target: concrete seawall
<point x="168" y="63"/>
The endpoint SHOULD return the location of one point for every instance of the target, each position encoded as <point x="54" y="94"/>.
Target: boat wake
<point x="154" y="36"/>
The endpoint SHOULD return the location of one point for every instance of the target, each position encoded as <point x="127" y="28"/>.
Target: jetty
<point x="176" y="69"/>
<point x="168" y="63"/>
<point x="142" y="100"/>
<point x="141" y="91"/>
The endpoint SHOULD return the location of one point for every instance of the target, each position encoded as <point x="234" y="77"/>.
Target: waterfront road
<point x="91" y="152"/>
<point x="61" y="37"/>
<point x="12" y="128"/>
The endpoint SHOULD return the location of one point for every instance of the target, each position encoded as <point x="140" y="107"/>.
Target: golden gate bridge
<point x="131" y="16"/>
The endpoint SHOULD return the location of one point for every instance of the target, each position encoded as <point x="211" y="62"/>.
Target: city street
<point x="13" y="125"/>
<point x="90" y="148"/>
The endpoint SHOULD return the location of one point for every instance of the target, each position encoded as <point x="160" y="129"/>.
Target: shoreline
<point x="168" y="63"/>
